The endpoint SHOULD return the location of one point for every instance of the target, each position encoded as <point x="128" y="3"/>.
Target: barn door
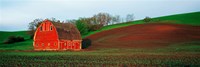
<point x="72" y="45"/>
<point x="69" y="45"/>
<point x="61" y="45"/>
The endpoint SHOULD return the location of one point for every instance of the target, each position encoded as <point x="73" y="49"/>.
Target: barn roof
<point x="67" y="31"/>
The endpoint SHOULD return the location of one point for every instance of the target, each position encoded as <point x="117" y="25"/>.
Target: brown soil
<point x="145" y="36"/>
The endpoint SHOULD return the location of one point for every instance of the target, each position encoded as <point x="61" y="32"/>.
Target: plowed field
<point x="152" y="35"/>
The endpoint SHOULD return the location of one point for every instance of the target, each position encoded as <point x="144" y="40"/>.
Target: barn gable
<point x="57" y="36"/>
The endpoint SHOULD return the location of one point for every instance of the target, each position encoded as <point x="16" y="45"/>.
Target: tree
<point x="32" y="27"/>
<point x="35" y="23"/>
<point x="82" y="27"/>
<point x="129" y="17"/>
<point x="54" y="20"/>
<point x="147" y="19"/>
<point x="103" y="18"/>
<point x="115" y="19"/>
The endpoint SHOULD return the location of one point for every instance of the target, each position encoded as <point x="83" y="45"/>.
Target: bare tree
<point x="118" y="19"/>
<point x="129" y="17"/>
<point x="32" y="26"/>
<point x="115" y="19"/>
<point x="103" y="18"/>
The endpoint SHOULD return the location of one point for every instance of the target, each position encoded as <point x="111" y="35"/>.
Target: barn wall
<point x="45" y="38"/>
<point x="70" y="44"/>
<point x="44" y="45"/>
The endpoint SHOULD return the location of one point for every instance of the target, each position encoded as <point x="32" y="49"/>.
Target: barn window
<point x="65" y="44"/>
<point x="42" y="44"/>
<point x="69" y="44"/>
<point x="51" y="28"/>
<point x="48" y="44"/>
<point x="36" y="44"/>
<point x="55" y="44"/>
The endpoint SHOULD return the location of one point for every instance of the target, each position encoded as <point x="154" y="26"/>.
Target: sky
<point x="16" y="14"/>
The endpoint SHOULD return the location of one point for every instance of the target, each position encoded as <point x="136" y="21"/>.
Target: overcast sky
<point x="16" y="14"/>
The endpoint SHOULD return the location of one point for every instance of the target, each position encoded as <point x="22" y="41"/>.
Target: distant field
<point x="188" y="18"/>
<point x="4" y="35"/>
<point x="26" y="45"/>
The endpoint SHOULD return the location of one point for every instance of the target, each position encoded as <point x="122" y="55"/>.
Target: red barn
<point x="57" y="36"/>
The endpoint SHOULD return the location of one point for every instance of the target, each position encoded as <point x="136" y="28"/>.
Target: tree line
<point x="83" y="24"/>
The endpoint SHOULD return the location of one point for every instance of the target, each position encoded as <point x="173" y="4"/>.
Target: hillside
<point x="25" y="45"/>
<point x="186" y="18"/>
<point x="4" y="35"/>
<point x="150" y="35"/>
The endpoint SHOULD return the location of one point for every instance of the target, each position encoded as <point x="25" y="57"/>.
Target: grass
<point x="179" y="54"/>
<point x="193" y="46"/>
<point x="168" y="56"/>
<point x="4" y="35"/>
<point x="25" y="45"/>
<point x="99" y="60"/>
<point x="188" y="18"/>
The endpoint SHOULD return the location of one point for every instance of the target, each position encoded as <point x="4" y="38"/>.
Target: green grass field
<point x="178" y="54"/>
<point x="25" y="45"/>
<point x="186" y="54"/>
<point x="189" y="18"/>
<point x="74" y="59"/>
<point x="4" y="35"/>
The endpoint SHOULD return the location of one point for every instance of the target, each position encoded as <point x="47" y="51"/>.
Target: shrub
<point x="13" y="39"/>
<point x="96" y="27"/>
<point x="147" y="19"/>
<point x="19" y="39"/>
<point x="86" y="43"/>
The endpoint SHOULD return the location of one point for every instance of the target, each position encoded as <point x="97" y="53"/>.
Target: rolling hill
<point x="4" y="35"/>
<point x="151" y="35"/>
<point x="190" y="21"/>
<point x="25" y="45"/>
<point x="161" y="31"/>
<point x="186" y="18"/>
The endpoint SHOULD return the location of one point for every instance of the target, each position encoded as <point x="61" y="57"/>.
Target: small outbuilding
<point x="57" y="36"/>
